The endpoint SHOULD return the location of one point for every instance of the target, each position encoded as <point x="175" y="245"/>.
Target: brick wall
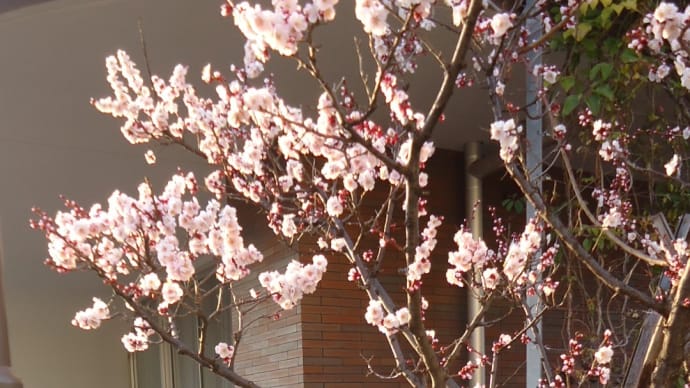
<point x="336" y="338"/>
<point x="270" y="351"/>
<point x="323" y="342"/>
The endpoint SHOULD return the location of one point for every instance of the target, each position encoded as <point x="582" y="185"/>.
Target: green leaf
<point x="605" y="18"/>
<point x="605" y="91"/>
<point x="593" y="102"/>
<point x="605" y="69"/>
<point x="570" y="103"/>
<point x="587" y="244"/>
<point x="606" y="3"/>
<point x="611" y="44"/>
<point x="629" y="56"/>
<point x="630" y="4"/>
<point x="594" y="71"/>
<point x="581" y="31"/>
<point x="583" y="7"/>
<point x="567" y="83"/>
<point x="519" y="206"/>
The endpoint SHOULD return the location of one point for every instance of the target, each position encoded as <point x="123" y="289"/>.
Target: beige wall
<point x="52" y="142"/>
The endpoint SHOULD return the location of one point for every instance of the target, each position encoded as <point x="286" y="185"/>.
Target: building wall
<point x="270" y="351"/>
<point x="337" y="340"/>
<point x="53" y="142"/>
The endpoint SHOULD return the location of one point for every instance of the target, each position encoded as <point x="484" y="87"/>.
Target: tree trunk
<point x="675" y="328"/>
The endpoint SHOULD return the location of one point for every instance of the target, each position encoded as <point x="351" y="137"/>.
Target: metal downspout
<point x="473" y="187"/>
<point x="534" y="133"/>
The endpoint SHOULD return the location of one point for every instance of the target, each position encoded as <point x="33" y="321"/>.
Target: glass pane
<point x="148" y="368"/>
<point x="219" y="330"/>
<point x="186" y="369"/>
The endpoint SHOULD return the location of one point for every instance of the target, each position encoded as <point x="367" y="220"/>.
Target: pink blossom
<point x="500" y="24"/>
<point x="225" y="352"/>
<point x="673" y="166"/>
<point x="91" y="317"/>
<point x="490" y="278"/>
<point x="506" y="133"/>
<point x="149" y="283"/>
<point x="135" y="342"/>
<point x="603" y="355"/>
<point x="334" y="207"/>
<point x="172" y="292"/>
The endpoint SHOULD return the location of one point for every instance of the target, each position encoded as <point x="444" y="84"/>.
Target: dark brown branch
<point x="574" y="245"/>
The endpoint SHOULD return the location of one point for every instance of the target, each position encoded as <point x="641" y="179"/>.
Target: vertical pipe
<point x="7" y="379"/>
<point x="534" y="134"/>
<point x="473" y="189"/>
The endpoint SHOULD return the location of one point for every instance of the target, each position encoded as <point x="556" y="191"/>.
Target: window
<point x="161" y="367"/>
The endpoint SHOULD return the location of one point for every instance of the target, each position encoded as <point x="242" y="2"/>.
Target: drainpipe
<point x="7" y="379"/>
<point x="473" y="187"/>
<point x="534" y="133"/>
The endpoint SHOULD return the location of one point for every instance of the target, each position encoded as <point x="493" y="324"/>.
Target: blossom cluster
<point x="422" y="262"/>
<point x="387" y="322"/>
<point x="509" y="266"/>
<point x="288" y="289"/>
<point x="519" y="253"/>
<point x="280" y="29"/>
<point x="506" y="134"/>
<point x="225" y="352"/>
<point x="471" y="254"/>
<point x="665" y="34"/>
<point x="138" y="340"/>
<point x="90" y="318"/>
<point x="600" y="365"/>
<point x="239" y="132"/>
<point x="675" y="255"/>
<point x="602" y="357"/>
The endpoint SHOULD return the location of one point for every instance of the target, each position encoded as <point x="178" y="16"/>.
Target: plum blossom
<point x="667" y="20"/>
<point x="334" y="207"/>
<point x="149" y="283"/>
<point x="172" y="292"/>
<point x="490" y="278"/>
<point x="299" y="279"/>
<point x="673" y="166"/>
<point x="289" y="229"/>
<point x="91" y="317"/>
<point x="610" y="149"/>
<point x="135" y="342"/>
<point x="225" y="352"/>
<point x="500" y="24"/>
<point x="387" y="323"/>
<point x="506" y="133"/>
<point x="500" y="88"/>
<point x="422" y="263"/>
<point x="471" y="253"/>
<point x="603" y="354"/>
<point x="504" y="340"/>
<point x="459" y="8"/>
<point x="338" y="244"/>
<point x="604" y="375"/>
<point x="375" y="313"/>
<point x="612" y="219"/>
<point x="520" y="251"/>
<point x="403" y="316"/>
<point x="150" y="157"/>
<point x="372" y="14"/>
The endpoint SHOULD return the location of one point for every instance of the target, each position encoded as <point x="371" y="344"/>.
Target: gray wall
<point x="53" y="142"/>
